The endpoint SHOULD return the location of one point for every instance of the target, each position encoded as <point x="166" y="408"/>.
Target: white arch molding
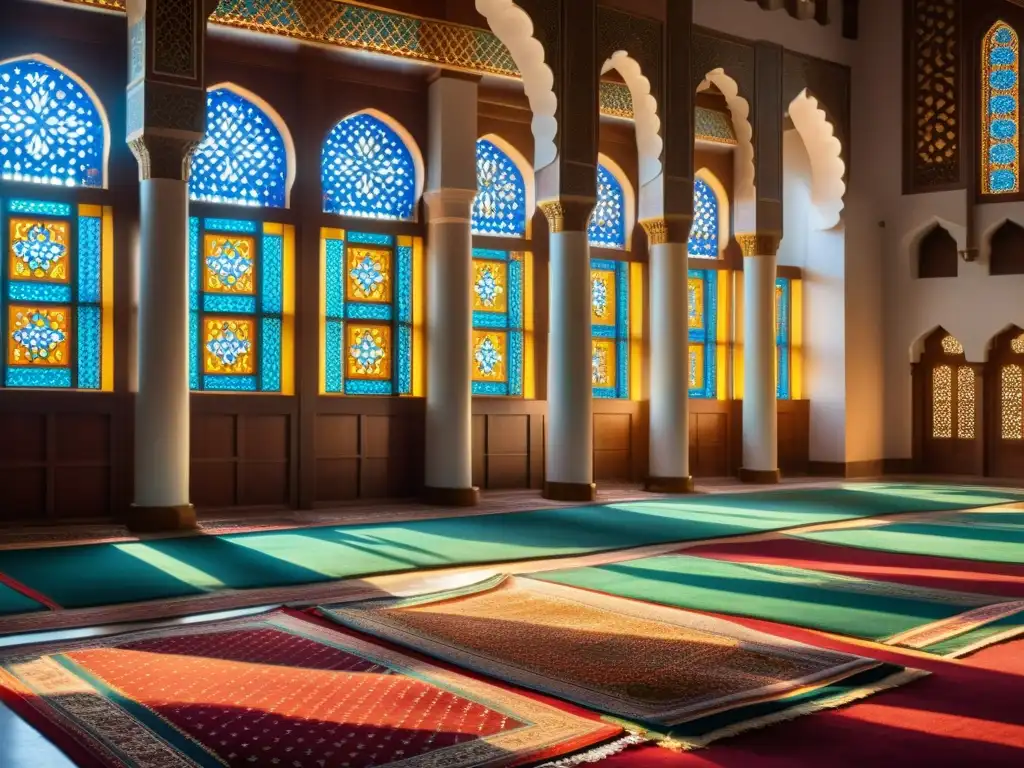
<point x="825" y="152"/>
<point x="649" y="143"/>
<point x="514" y="27"/>
<point x="724" y="215"/>
<point x="525" y="169"/>
<point x="628" y="195"/>
<point x="282" y="128"/>
<point x="745" y="194"/>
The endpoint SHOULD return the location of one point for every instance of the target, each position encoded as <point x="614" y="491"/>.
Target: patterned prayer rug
<point x="685" y="676"/>
<point x="934" y="620"/>
<point x="277" y="690"/>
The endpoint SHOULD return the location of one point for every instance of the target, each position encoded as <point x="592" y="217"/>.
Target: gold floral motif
<point x="759" y="243"/>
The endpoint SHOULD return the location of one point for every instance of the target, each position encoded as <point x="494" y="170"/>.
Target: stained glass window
<point x="704" y="231"/>
<point x="702" y="301"/>
<point x="368" y="313"/>
<point x="51" y="131"/>
<point x="609" y="315"/>
<point x="242" y="159"/>
<point x="58" y="295"/>
<point x="500" y="204"/>
<point x="942" y="402"/>
<point x="1000" y="109"/>
<point x="498" y="315"/>
<point x="783" y="337"/>
<point x="1012" y="395"/>
<point x="367" y="170"/>
<point x="240" y="301"/>
<point x="608" y="222"/>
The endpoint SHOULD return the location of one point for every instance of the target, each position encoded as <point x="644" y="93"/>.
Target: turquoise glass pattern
<point x="51" y="130"/>
<point x="703" y="243"/>
<point x="1000" y="144"/>
<point x="81" y="292"/>
<point x="367" y="170"/>
<point x="607" y="227"/>
<point x="512" y="319"/>
<point x="704" y="330"/>
<point x="783" y="336"/>
<point x="338" y="310"/>
<point x="618" y="331"/>
<point x="242" y="159"/>
<point x="500" y="205"/>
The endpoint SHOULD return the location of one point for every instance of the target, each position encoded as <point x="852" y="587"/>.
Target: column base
<point x="161" y="519"/>
<point x="669" y="485"/>
<point x="760" y="476"/>
<point x="570" y="491"/>
<point x="451" y="497"/>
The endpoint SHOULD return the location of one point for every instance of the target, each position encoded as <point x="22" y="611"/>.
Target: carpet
<point x="933" y="620"/>
<point x="164" y="568"/>
<point x="14" y="601"/>
<point x="686" y="677"/>
<point x="990" y="537"/>
<point x="278" y="689"/>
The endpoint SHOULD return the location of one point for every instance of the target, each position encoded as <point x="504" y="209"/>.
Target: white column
<point x="760" y="407"/>
<point x="451" y="185"/>
<point x="669" y="462"/>
<point x="569" y="452"/>
<point x="162" y="402"/>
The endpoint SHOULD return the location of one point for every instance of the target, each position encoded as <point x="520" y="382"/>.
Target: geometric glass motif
<point x="490" y="279"/>
<point x="51" y="132"/>
<point x="369" y="274"/>
<point x="602" y="296"/>
<point x="500" y="204"/>
<point x="703" y="242"/>
<point x="952" y="346"/>
<point x="1000" y="108"/>
<point x="1012" y="390"/>
<point x="603" y="363"/>
<point x="966" y="409"/>
<point x="242" y="159"/>
<point x="782" y="338"/>
<point x="1017" y="345"/>
<point x="229" y="346"/>
<point x="610" y="330"/>
<point x="490" y="349"/>
<point x="695" y="295"/>
<point x="702" y="300"/>
<point x="367" y="170"/>
<point x="38" y="335"/>
<point x="369" y="352"/>
<point x="39" y="250"/>
<point x="942" y="402"/>
<point x="607" y="227"/>
<point x="229" y="264"/>
<point x="696" y="366"/>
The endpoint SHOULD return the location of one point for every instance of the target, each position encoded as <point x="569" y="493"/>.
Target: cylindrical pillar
<point x="760" y="407"/>
<point x="669" y="461"/>
<point x="449" y="418"/>
<point x="162" y="402"/>
<point x="569" y="451"/>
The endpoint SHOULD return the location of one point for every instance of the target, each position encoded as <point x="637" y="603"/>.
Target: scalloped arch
<point x="745" y="193"/>
<point x="828" y="170"/>
<point x="645" y="114"/>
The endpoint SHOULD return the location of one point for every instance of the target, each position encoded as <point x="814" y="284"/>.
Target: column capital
<point x="759" y="243"/>
<point x="670" y="228"/>
<point x="449" y="205"/>
<point x="568" y="214"/>
<point x="162" y="157"/>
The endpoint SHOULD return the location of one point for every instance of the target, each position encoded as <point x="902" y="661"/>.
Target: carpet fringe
<point x="1002" y="637"/>
<point x="598" y="754"/>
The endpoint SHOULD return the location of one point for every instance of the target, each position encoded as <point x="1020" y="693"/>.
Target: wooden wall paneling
<point x="710" y="428"/>
<point x="794" y="436"/>
<point x="614" y="422"/>
<point x="508" y="443"/>
<point x="1004" y="453"/>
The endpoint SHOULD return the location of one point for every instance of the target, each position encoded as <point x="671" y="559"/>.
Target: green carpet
<point x="12" y="602"/>
<point x="872" y="610"/>
<point x="991" y="537"/>
<point x="104" y="574"/>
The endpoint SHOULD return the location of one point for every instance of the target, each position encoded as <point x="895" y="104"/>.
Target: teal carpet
<point x="105" y="574"/>
<point x="12" y="601"/>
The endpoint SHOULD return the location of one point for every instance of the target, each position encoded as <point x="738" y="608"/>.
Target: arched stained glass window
<point x="51" y="131"/>
<point x="704" y="231"/>
<point x="367" y="170"/>
<point x="500" y="204"/>
<point x="608" y="222"/>
<point x="242" y="159"/>
<point x="1000" y="145"/>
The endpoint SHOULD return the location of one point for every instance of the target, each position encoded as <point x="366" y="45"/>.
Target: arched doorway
<point x="1004" y="396"/>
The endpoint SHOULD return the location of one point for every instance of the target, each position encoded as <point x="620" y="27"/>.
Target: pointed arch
<point x="506" y="197"/>
<point x="611" y="224"/>
<point x="371" y="167"/>
<point x="54" y="128"/>
<point x="1000" y="111"/>
<point x="247" y="156"/>
<point x="709" y="232"/>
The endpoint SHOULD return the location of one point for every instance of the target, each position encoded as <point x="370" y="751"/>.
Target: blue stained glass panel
<point x="219" y="302"/>
<point x="782" y="336"/>
<point x="1003" y="129"/>
<point x="39" y="378"/>
<point x="607" y="227"/>
<point x="334" y="277"/>
<point x="999" y="86"/>
<point x="490" y="253"/>
<point x="1002" y="57"/>
<point x="1002" y="105"/>
<point x="51" y="131"/>
<point x="368" y="387"/>
<point x="370" y="238"/>
<point x="369" y="312"/>
<point x="515" y="293"/>
<point x="367" y="170"/>
<point x="707" y="335"/>
<point x="230" y="383"/>
<point x="270" y="355"/>
<point x="703" y="242"/>
<point x="1003" y="36"/>
<point x="1002" y="79"/>
<point x="405" y="284"/>
<point x="90" y="259"/>
<point x="333" y="357"/>
<point x="1002" y="154"/>
<point x="515" y="363"/>
<point x="238" y="226"/>
<point x="242" y="159"/>
<point x="90" y="348"/>
<point x="500" y="204"/>
<point x="40" y="207"/>
<point x="21" y="291"/>
<point x="1002" y="181"/>
<point x="490" y="320"/>
<point x="193" y="341"/>
<point x="273" y="274"/>
<point x="405" y="360"/>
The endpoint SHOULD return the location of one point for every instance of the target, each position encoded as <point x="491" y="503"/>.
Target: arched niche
<point x="937" y="254"/>
<point x="1006" y="252"/>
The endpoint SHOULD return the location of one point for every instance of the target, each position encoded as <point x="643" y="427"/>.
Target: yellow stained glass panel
<point x="490" y="286"/>
<point x="695" y="298"/>
<point x="1013" y="403"/>
<point x="368" y="352"/>
<point x="490" y="354"/>
<point x="603" y="363"/>
<point x="951" y="346"/>
<point x="229" y="264"/>
<point x="229" y="345"/>
<point x="602" y="296"/>
<point x="942" y="402"/>
<point x="39" y="250"/>
<point x="965" y="403"/>
<point x="369" y="274"/>
<point x="38" y="335"/>
<point x="696" y="366"/>
<point x="1017" y="345"/>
